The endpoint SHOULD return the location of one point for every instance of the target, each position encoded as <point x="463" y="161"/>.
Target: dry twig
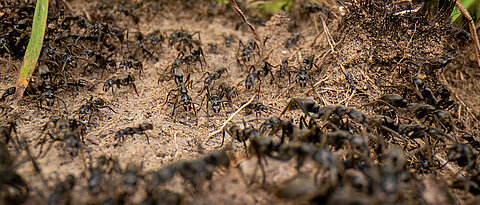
<point x="228" y="120"/>
<point x="473" y="30"/>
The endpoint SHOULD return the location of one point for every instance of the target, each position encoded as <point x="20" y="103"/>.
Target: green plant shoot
<point x="33" y="48"/>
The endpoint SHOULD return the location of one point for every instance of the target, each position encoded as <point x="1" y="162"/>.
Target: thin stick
<point x="473" y="31"/>
<point x="240" y="13"/>
<point x="228" y="120"/>
<point x="317" y="83"/>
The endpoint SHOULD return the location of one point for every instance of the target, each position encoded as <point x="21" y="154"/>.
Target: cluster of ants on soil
<point x="353" y="153"/>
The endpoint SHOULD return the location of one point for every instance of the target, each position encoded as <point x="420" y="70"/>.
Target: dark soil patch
<point x="361" y="52"/>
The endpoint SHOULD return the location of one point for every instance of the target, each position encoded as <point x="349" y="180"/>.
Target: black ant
<point x="140" y="130"/>
<point x="64" y="130"/>
<point x="100" y="31"/>
<point x="100" y="61"/>
<point x="275" y="124"/>
<point x="195" y="56"/>
<point x="132" y="64"/>
<point x="303" y="76"/>
<point x="8" y="92"/>
<point x="211" y="77"/>
<point x="228" y="40"/>
<point x="293" y="40"/>
<point x="256" y="107"/>
<point x="6" y="132"/>
<point x="14" y="188"/>
<point x="284" y="69"/>
<point x="230" y="92"/>
<point x="258" y="74"/>
<point x="130" y="179"/>
<point x="129" y="80"/>
<point x="182" y="39"/>
<point x="197" y="171"/>
<point x="215" y="100"/>
<point x="182" y="99"/>
<point x="175" y="69"/>
<point x="62" y="192"/>
<point x="47" y="88"/>
<point x="142" y="46"/>
<point x="156" y="37"/>
<point x="92" y="106"/>
<point x="213" y="47"/>
<point x="246" y="52"/>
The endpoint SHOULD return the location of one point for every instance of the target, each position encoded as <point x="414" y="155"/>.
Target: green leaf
<point x="33" y="49"/>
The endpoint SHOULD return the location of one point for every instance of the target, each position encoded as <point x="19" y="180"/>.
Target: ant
<point x="129" y="80"/>
<point x="140" y="130"/>
<point x="100" y="30"/>
<point x="303" y="76"/>
<point x="8" y="92"/>
<point x="286" y="151"/>
<point x="211" y="77"/>
<point x="293" y="40"/>
<point x="156" y="37"/>
<point x="275" y="124"/>
<point x="195" y="56"/>
<point x="214" y="98"/>
<point x="92" y="106"/>
<point x="197" y="171"/>
<point x="182" y="99"/>
<point x="213" y="47"/>
<point x="230" y="92"/>
<point x="62" y="192"/>
<point x="94" y="181"/>
<point x="256" y="107"/>
<point x="176" y="70"/>
<point x="132" y="64"/>
<point x="246" y="52"/>
<point x="144" y="48"/>
<point x="47" y="88"/>
<point x="284" y="69"/>
<point x="182" y="39"/>
<point x="228" y="40"/>
<point x="258" y="74"/>
<point x="14" y="188"/>
<point x="464" y="155"/>
<point x="131" y="178"/>
<point x="68" y="131"/>
<point x="6" y="132"/>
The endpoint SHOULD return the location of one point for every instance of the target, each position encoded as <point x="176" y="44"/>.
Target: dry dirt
<point x="356" y="56"/>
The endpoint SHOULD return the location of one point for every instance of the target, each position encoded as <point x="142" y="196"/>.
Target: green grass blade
<point x="33" y="49"/>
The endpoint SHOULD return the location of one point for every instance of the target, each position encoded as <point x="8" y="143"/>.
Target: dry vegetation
<point x="377" y="102"/>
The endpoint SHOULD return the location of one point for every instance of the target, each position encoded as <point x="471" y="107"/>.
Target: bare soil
<point x="360" y="55"/>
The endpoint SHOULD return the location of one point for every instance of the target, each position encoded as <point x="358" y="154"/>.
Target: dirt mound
<point x="376" y="103"/>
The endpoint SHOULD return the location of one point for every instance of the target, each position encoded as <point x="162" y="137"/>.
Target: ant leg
<point x="206" y="109"/>
<point x="168" y="95"/>
<point x="223" y="139"/>
<point x="224" y="109"/>
<point x="245" y="146"/>
<point x="64" y="104"/>
<point x="113" y="91"/>
<point x="203" y="56"/>
<point x="264" y="174"/>
<point x="135" y="88"/>
<point x="313" y="87"/>
<point x="195" y="113"/>
<point x="90" y="117"/>
<point x="111" y="109"/>
<point x="148" y="141"/>
<point x="48" y="148"/>
<point x="174" y="108"/>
